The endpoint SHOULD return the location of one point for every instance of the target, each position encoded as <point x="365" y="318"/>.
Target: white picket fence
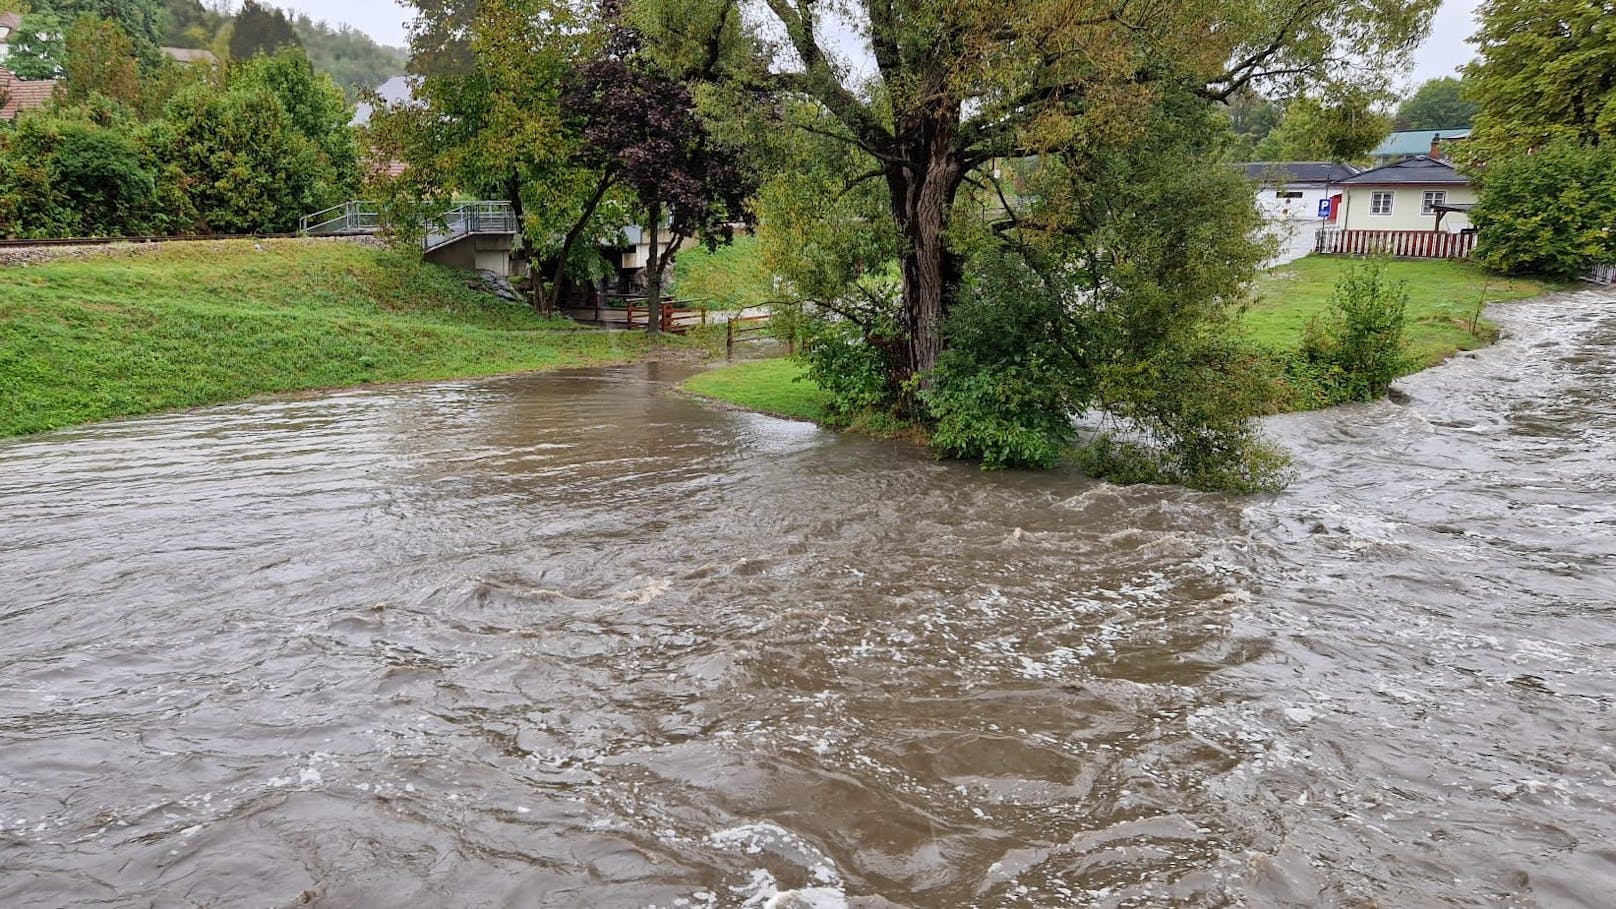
<point x="1602" y="274"/>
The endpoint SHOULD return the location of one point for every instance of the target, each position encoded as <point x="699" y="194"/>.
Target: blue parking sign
<point x="1324" y="209"/>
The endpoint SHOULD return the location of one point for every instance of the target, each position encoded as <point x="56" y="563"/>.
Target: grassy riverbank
<point x="131" y="331"/>
<point x="1444" y="298"/>
<point x="778" y="387"/>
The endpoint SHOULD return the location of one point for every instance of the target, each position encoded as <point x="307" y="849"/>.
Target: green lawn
<point x="186" y="324"/>
<point x="1443" y="296"/>
<point x="766" y="386"/>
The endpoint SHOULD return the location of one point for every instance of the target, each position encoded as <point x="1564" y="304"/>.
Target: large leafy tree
<point x="1545" y="79"/>
<point x="1552" y="212"/>
<point x="259" y="152"/>
<point x="639" y="128"/>
<point x="1437" y="104"/>
<point x="954" y="85"/>
<point x="37" y="48"/>
<point x="141" y="20"/>
<point x="1345" y="129"/>
<point x="1545" y="70"/>
<point x="486" y="118"/>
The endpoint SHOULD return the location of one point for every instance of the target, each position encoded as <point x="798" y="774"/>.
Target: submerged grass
<point x="181" y="325"/>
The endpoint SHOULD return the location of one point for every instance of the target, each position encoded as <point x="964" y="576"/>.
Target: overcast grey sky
<point x="384" y="20"/>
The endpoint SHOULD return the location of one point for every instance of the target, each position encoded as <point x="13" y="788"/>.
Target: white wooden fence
<point x="1602" y="274"/>
<point x="1401" y="244"/>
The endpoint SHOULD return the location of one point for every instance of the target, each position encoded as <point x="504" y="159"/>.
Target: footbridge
<point x="471" y="235"/>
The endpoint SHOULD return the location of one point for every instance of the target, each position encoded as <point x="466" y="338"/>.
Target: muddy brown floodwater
<point x="574" y="640"/>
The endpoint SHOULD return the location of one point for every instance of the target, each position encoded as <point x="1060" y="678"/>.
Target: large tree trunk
<point x="653" y="276"/>
<point x="922" y="188"/>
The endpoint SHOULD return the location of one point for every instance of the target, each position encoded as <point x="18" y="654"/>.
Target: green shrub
<point x="1001" y="391"/>
<point x="1186" y="415"/>
<point x="1552" y="212"/>
<point x="1355" y="349"/>
<point x="853" y="364"/>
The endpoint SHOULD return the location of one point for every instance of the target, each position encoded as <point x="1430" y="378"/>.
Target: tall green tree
<point x="1552" y="212"/>
<point x="100" y="60"/>
<point x="640" y="129"/>
<point x="37" y="48"/>
<point x="255" y="154"/>
<point x="957" y="85"/>
<point x="260" y="29"/>
<point x="1544" y="70"/>
<point x="1347" y="129"/>
<point x="141" y="20"/>
<point x="1437" y="104"/>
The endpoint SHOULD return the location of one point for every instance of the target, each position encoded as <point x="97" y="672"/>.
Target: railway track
<point x="107" y="241"/>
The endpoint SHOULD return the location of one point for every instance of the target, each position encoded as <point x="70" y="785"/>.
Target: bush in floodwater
<point x="853" y="363"/>
<point x="1355" y="349"/>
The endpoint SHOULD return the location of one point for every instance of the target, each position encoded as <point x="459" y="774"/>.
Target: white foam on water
<point x="824" y="890"/>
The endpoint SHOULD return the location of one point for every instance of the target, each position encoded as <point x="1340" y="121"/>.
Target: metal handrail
<point x="362" y="217"/>
<point x="469" y="218"/>
<point x="356" y="217"/>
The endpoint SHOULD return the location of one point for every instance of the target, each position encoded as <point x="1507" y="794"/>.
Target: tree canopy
<point x="957" y="85"/>
<point x="1437" y="104"/>
<point x="260" y="29"/>
<point x="1545" y="70"/>
<point x="1346" y="130"/>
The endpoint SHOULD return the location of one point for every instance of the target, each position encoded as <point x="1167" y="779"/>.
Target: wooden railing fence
<point x="1401" y="244"/>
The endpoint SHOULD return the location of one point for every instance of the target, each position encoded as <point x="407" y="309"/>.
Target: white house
<point x="1293" y="190"/>
<point x="1414" y="194"/>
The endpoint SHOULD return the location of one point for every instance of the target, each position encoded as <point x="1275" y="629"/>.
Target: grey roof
<point x="1416" y="141"/>
<point x="1419" y="169"/>
<point x="1297" y="171"/>
<point x="393" y="91"/>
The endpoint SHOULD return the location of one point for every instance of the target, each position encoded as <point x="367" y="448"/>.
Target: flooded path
<point x="572" y="640"/>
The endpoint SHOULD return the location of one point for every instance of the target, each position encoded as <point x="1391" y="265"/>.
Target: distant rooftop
<point x="21" y="95"/>
<point x="9" y="22"/>
<point x="1416" y="141"/>
<point x="1420" y="169"/>
<point x="393" y="91"/>
<point x="191" y="55"/>
<point x="1297" y="171"/>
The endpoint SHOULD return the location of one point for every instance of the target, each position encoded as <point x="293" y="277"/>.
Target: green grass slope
<point x="185" y="324"/>
<point x="1442" y="299"/>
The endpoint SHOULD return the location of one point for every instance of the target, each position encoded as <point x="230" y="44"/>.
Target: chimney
<point x="1436" y="146"/>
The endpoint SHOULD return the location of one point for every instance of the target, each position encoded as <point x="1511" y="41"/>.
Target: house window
<point x="1432" y="199"/>
<point x="1287" y="194"/>
<point x="1380" y="204"/>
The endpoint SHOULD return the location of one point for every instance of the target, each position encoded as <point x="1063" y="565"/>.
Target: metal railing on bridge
<point x="467" y="219"/>
<point x="463" y="220"/>
<point x="348" y="218"/>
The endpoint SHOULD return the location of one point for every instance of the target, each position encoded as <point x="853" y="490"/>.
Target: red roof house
<point x="18" y="95"/>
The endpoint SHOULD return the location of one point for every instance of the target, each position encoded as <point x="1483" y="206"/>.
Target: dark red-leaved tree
<point x="642" y="129"/>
